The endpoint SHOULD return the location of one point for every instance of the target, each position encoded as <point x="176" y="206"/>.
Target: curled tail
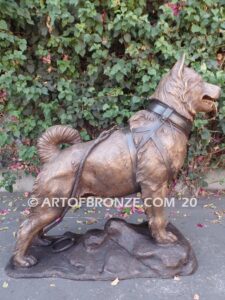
<point x="47" y="144"/>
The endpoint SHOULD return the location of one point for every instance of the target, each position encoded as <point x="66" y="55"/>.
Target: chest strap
<point x="150" y="133"/>
<point x="166" y="115"/>
<point x="133" y="154"/>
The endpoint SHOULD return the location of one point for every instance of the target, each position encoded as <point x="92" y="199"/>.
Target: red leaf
<point x="200" y="225"/>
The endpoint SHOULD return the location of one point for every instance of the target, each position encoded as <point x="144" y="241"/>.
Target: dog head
<point x="184" y="90"/>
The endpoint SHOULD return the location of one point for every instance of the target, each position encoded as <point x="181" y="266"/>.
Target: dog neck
<point x="167" y="94"/>
<point x="169" y="114"/>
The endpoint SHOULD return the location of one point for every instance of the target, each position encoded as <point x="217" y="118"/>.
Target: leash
<point x="55" y="240"/>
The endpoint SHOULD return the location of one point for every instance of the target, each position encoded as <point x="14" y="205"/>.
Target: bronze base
<point x="121" y="250"/>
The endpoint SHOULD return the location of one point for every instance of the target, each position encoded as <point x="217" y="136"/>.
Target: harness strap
<point x="167" y="113"/>
<point x="150" y="134"/>
<point x="165" y="156"/>
<point x="133" y="153"/>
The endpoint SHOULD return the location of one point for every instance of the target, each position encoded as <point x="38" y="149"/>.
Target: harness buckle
<point x="166" y="114"/>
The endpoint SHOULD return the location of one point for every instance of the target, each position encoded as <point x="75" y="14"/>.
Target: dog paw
<point x="165" y="237"/>
<point x="24" y="261"/>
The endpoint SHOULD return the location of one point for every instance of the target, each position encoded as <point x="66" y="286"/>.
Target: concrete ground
<point x="203" y="225"/>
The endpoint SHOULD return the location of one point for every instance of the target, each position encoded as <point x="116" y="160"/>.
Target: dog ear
<point x="178" y="68"/>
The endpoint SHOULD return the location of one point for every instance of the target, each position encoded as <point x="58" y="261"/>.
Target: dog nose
<point x="219" y="91"/>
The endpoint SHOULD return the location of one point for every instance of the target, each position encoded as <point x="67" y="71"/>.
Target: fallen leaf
<point x="115" y="281"/>
<point x="25" y="212"/>
<point x="5" y="285"/>
<point x="215" y="222"/>
<point x="26" y="194"/>
<point x="4" y="228"/>
<point x="140" y="220"/>
<point x="4" y="212"/>
<point x="139" y="210"/>
<point x="210" y="205"/>
<point x="200" y="225"/>
<point x="75" y="208"/>
<point x="176" y="278"/>
<point x="91" y="221"/>
<point x="219" y="214"/>
<point x="108" y="215"/>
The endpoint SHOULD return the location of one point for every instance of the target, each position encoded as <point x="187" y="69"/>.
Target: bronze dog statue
<point x="111" y="170"/>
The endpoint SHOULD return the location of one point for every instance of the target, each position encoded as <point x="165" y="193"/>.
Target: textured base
<point x="121" y="250"/>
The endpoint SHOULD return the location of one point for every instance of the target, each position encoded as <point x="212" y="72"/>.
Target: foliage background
<point x="92" y="64"/>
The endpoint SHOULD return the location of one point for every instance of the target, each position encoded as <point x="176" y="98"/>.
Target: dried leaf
<point x="4" y="228"/>
<point x="25" y="212"/>
<point x="4" y="212"/>
<point x="91" y="221"/>
<point x="215" y="222"/>
<point x="108" y="215"/>
<point x="5" y="285"/>
<point x="26" y="194"/>
<point x="140" y="220"/>
<point x="200" y="225"/>
<point x="219" y="214"/>
<point x="115" y="281"/>
<point x="210" y="205"/>
<point x="176" y="278"/>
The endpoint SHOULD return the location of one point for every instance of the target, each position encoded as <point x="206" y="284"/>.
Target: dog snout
<point x="211" y="90"/>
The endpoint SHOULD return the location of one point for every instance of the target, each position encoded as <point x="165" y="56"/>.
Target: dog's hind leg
<point x="148" y="208"/>
<point x="156" y="215"/>
<point x="39" y="218"/>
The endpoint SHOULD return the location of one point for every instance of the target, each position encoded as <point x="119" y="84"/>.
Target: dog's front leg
<point x="154" y="209"/>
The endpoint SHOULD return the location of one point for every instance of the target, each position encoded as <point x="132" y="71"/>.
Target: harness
<point x="165" y="116"/>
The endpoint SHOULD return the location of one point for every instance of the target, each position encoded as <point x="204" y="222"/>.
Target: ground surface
<point x="203" y="225"/>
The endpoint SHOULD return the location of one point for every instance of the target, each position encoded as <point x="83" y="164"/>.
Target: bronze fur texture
<point x="108" y="169"/>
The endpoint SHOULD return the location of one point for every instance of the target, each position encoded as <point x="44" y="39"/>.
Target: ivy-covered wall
<point x="92" y="64"/>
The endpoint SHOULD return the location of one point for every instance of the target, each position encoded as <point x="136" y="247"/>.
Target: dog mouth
<point x="209" y="99"/>
<point x="210" y="105"/>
